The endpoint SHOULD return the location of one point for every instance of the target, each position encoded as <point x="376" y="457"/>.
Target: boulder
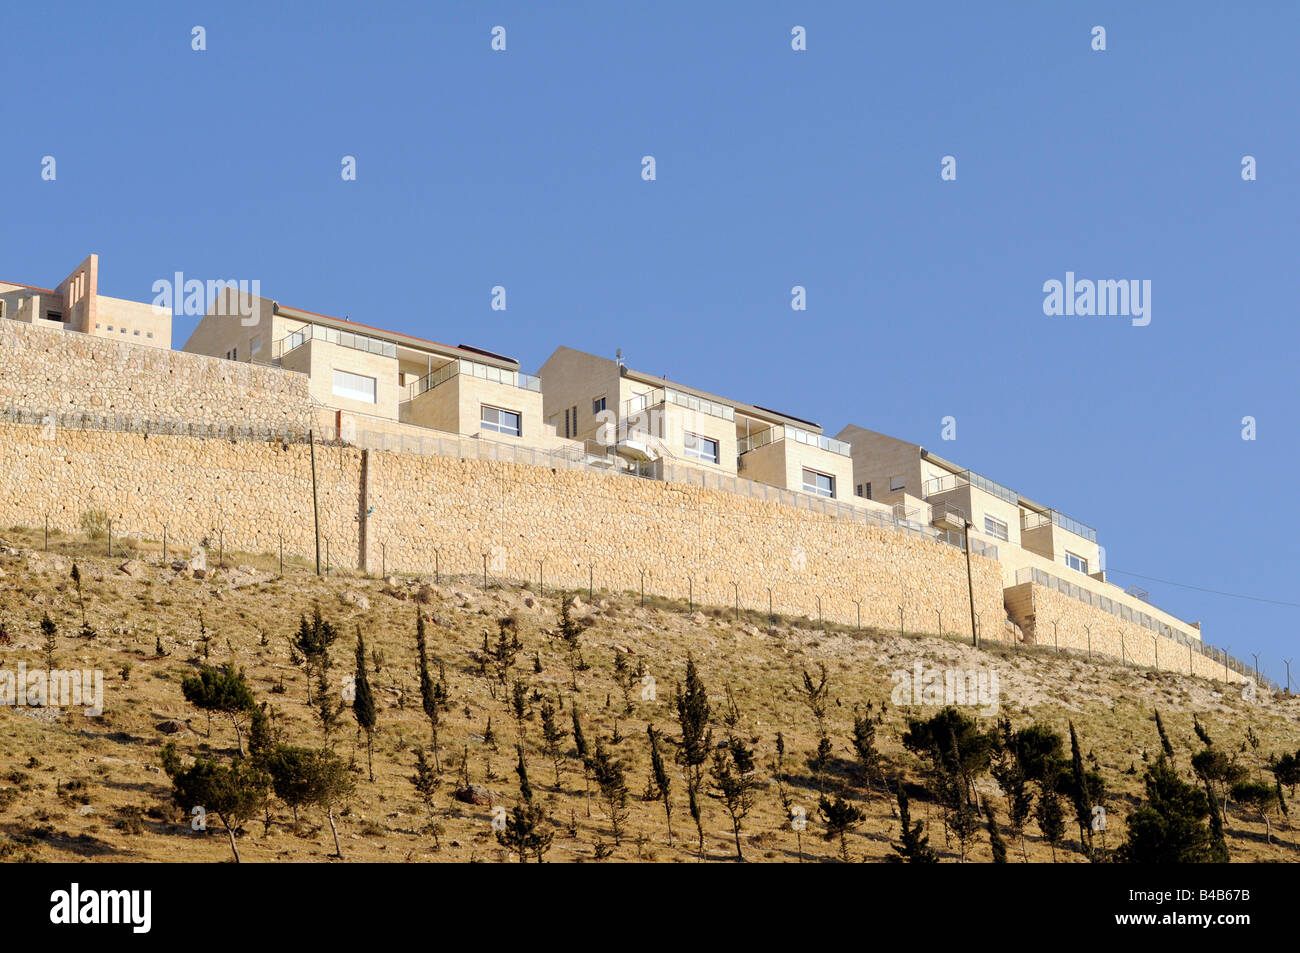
<point x="171" y="726"/>
<point x="474" y="794"/>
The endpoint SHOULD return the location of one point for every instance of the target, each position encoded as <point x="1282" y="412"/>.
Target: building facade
<point x="1034" y="543"/>
<point x="75" y="304"/>
<point x="379" y="380"/>
<point x="616" y="411"/>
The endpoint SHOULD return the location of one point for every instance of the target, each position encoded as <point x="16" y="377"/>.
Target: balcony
<point x="948" y="516"/>
<point x="316" y="332"/>
<point x="954" y="481"/>
<point x="486" y="372"/>
<point x="667" y="395"/>
<point x="1034" y="520"/>
<point x="807" y="437"/>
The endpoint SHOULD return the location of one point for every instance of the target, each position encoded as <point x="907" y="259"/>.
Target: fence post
<point x="110" y="539"/>
<point x="858" y="603"/>
<point x="1089" y="631"/>
<point x="1055" y="640"/>
<point x="541" y="579"/>
<point x="281" y="536"/>
<point x="164" y="552"/>
<point x="47" y="532"/>
<point x="591" y="583"/>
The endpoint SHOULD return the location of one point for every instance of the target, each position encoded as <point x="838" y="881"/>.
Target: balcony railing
<point x="660" y="395"/>
<point x="316" y="332"/>
<point x="807" y="437"/>
<point x="944" y="512"/>
<point x="953" y="481"/>
<point x="977" y="546"/>
<point x="486" y="372"/>
<point x="1033" y="520"/>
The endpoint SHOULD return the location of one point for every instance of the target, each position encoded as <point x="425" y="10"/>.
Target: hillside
<point x="74" y="787"/>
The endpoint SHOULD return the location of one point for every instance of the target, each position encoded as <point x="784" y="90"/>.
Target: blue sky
<point x="775" y="168"/>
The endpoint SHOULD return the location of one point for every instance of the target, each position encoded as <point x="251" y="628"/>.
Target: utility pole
<point x="315" y="508"/>
<point x="970" y="589"/>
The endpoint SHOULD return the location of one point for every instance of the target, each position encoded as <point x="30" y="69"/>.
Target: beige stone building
<point x="618" y="412"/>
<point x="380" y="381"/>
<point x="1035" y="544"/>
<point x="76" y="305"/>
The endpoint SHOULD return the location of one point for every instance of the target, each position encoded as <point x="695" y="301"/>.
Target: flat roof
<point x="398" y="337"/>
<point x="749" y="410"/>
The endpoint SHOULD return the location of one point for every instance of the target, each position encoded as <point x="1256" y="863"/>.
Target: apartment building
<point x="75" y="304"/>
<point x="616" y="411"/>
<point x="361" y="376"/>
<point x="1033" y="542"/>
<point x="947" y="495"/>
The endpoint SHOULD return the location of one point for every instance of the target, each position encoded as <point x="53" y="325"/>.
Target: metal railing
<point x="316" y="332"/>
<point x="799" y="435"/>
<point x="1129" y="614"/>
<point x="952" y="481"/>
<point x="946" y="512"/>
<point x="977" y="546"/>
<point x="1033" y="519"/>
<point x="486" y="372"/>
<point x="661" y="395"/>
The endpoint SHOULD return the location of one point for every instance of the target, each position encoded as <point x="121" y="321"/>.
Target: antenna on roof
<point x="618" y="357"/>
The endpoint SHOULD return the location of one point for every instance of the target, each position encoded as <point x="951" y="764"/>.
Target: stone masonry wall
<point x="52" y="371"/>
<point x="447" y="512"/>
<point x="1107" y="634"/>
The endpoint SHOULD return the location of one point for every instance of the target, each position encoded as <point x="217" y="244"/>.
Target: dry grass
<point x="79" y="788"/>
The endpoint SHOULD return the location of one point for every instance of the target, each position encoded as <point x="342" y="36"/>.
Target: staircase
<point x="1019" y="602"/>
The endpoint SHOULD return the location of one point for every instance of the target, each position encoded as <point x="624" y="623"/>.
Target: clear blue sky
<point x="775" y="168"/>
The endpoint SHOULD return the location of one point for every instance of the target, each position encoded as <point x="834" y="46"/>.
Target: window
<point x="568" y="432"/>
<point x="1076" y="562"/>
<point x="255" y="346"/>
<point x="995" y="527"/>
<point x="501" y="421"/>
<point x="233" y="355"/>
<point x="863" y="490"/>
<point x="896" y="484"/>
<point x="2" y="311"/>
<point x="148" y="334"/>
<point x="702" y="448"/>
<point x="353" y="386"/>
<point x="597" y="405"/>
<point x="822" y="484"/>
<point x="56" y="316"/>
<point x="136" y="333"/>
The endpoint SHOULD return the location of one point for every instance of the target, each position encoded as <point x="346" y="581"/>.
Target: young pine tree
<point x="363" y="703"/>
<point x="663" y="782"/>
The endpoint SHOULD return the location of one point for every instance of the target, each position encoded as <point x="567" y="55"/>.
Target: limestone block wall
<point x="450" y="513"/>
<point x="198" y="490"/>
<point x="1051" y="618"/>
<point x="688" y="540"/>
<point x="61" y="371"/>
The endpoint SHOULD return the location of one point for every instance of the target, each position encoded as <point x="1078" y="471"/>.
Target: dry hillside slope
<point x="74" y="787"/>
